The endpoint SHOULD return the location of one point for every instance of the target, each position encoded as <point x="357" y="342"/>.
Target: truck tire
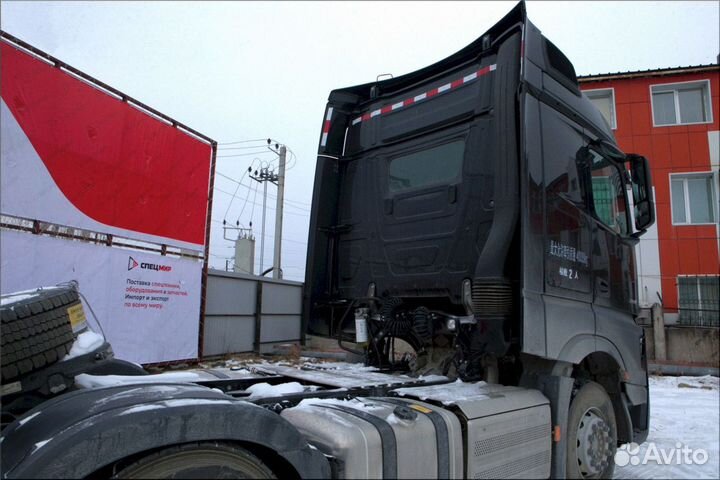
<point x="36" y="331"/>
<point x="592" y="434"/>
<point x="198" y="460"/>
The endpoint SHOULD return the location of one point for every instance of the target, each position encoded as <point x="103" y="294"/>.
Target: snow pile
<point x="181" y="402"/>
<point x="339" y="366"/>
<point x="449" y="393"/>
<point x="93" y="381"/>
<point x="22" y="295"/>
<point x="684" y="413"/>
<point x="16" y="297"/>
<point x="86" y="342"/>
<point x="354" y="403"/>
<point x="267" y="390"/>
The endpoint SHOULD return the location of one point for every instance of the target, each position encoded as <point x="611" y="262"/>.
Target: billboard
<point x="76" y="153"/>
<point x="148" y="305"/>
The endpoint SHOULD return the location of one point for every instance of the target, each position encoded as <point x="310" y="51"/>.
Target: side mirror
<point x="642" y="193"/>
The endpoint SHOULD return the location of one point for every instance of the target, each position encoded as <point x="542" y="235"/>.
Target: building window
<point x="604" y="100"/>
<point x="681" y="103"/>
<point x="693" y="199"/>
<point x="698" y="301"/>
<point x="608" y="194"/>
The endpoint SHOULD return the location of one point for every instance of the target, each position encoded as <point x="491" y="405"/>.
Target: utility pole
<point x="263" y="176"/>
<point x="262" y="234"/>
<point x="277" y="272"/>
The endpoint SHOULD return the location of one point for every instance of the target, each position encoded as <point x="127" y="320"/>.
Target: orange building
<point x="672" y="117"/>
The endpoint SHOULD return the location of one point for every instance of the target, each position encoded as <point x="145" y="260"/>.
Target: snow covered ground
<point x="684" y="413"/>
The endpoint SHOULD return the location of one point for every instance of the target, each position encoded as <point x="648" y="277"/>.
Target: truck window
<point x="436" y="165"/>
<point x="608" y="194"/>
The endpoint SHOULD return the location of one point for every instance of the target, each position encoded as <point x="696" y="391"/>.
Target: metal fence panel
<point x="235" y="324"/>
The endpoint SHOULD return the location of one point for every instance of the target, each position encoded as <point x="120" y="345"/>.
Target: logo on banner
<point x="132" y="263"/>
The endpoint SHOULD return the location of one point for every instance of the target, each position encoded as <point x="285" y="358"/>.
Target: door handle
<point x="452" y="194"/>
<point x="603" y="286"/>
<point x="388" y="206"/>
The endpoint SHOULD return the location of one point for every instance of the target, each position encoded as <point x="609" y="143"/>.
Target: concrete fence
<point x="245" y="313"/>
<point x="681" y="349"/>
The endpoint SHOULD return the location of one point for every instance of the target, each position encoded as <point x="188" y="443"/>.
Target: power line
<point x="245" y="154"/>
<point x="241" y="148"/>
<point x="243" y="141"/>
<point x="268" y="207"/>
<point x="269" y="195"/>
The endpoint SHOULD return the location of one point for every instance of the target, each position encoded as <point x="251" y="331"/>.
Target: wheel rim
<point x="594" y="443"/>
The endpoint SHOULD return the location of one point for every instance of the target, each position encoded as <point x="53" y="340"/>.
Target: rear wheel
<point x="198" y="460"/>
<point x="592" y="434"/>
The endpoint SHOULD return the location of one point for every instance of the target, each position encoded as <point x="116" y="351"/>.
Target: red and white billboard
<point x="75" y="154"/>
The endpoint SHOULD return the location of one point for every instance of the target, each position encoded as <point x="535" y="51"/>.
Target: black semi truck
<point x="472" y="237"/>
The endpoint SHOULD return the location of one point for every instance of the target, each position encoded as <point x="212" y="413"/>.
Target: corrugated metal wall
<point x="235" y="324"/>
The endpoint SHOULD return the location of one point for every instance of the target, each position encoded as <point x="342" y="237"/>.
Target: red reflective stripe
<point x="429" y="94"/>
<point x="326" y="128"/>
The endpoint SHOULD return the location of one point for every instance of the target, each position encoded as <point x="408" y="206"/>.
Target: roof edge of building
<point x="649" y="73"/>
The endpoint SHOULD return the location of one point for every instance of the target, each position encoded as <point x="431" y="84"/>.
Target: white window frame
<point x="670" y="86"/>
<point x="613" y="123"/>
<point x="686" y="198"/>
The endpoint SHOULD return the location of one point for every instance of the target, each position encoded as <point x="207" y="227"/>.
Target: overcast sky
<point x="239" y="71"/>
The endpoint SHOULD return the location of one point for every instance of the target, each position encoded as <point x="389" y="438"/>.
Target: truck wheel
<point x="36" y="330"/>
<point x="592" y="434"/>
<point x="198" y="460"/>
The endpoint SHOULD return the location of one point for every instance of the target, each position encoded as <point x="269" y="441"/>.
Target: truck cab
<point x="472" y="239"/>
<point x="476" y="219"/>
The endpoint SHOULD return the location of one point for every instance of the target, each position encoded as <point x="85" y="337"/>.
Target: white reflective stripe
<point x="324" y="139"/>
<point x="422" y="96"/>
<point x="470" y="77"/>
<point x="357" y="120"/>
<point x="493" y="67"/>
<point x="375" y="113"/>
<point x="397" y="105"/>
<point x="329" y="114"/>
<point x="444" y="87"/>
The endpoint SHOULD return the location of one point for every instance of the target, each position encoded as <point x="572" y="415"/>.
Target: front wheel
<point x="592" y="434"/>
<point x="198" y="460"/>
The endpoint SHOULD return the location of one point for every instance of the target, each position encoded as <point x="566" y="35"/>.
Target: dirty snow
<point x="449" y="393"/>
<point x="23" y="295"/>
<point x="86" y="342"/>
<point x="142" y="408"/>
<point x="39" y="445"/>
<point x="14" y="298"/>
<point x="180" y="402"/>
<point x="340" y="378"/>
<point x="685" y="411"/>
<point x="356" y="403"/>
<point x="27" y="419"/>
<point x="267" y="390"/>
<point x="92" y="381"/>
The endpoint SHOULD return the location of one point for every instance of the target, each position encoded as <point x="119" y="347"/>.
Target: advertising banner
<point x="148" y="305"/>
<point x="77" y="156"/>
